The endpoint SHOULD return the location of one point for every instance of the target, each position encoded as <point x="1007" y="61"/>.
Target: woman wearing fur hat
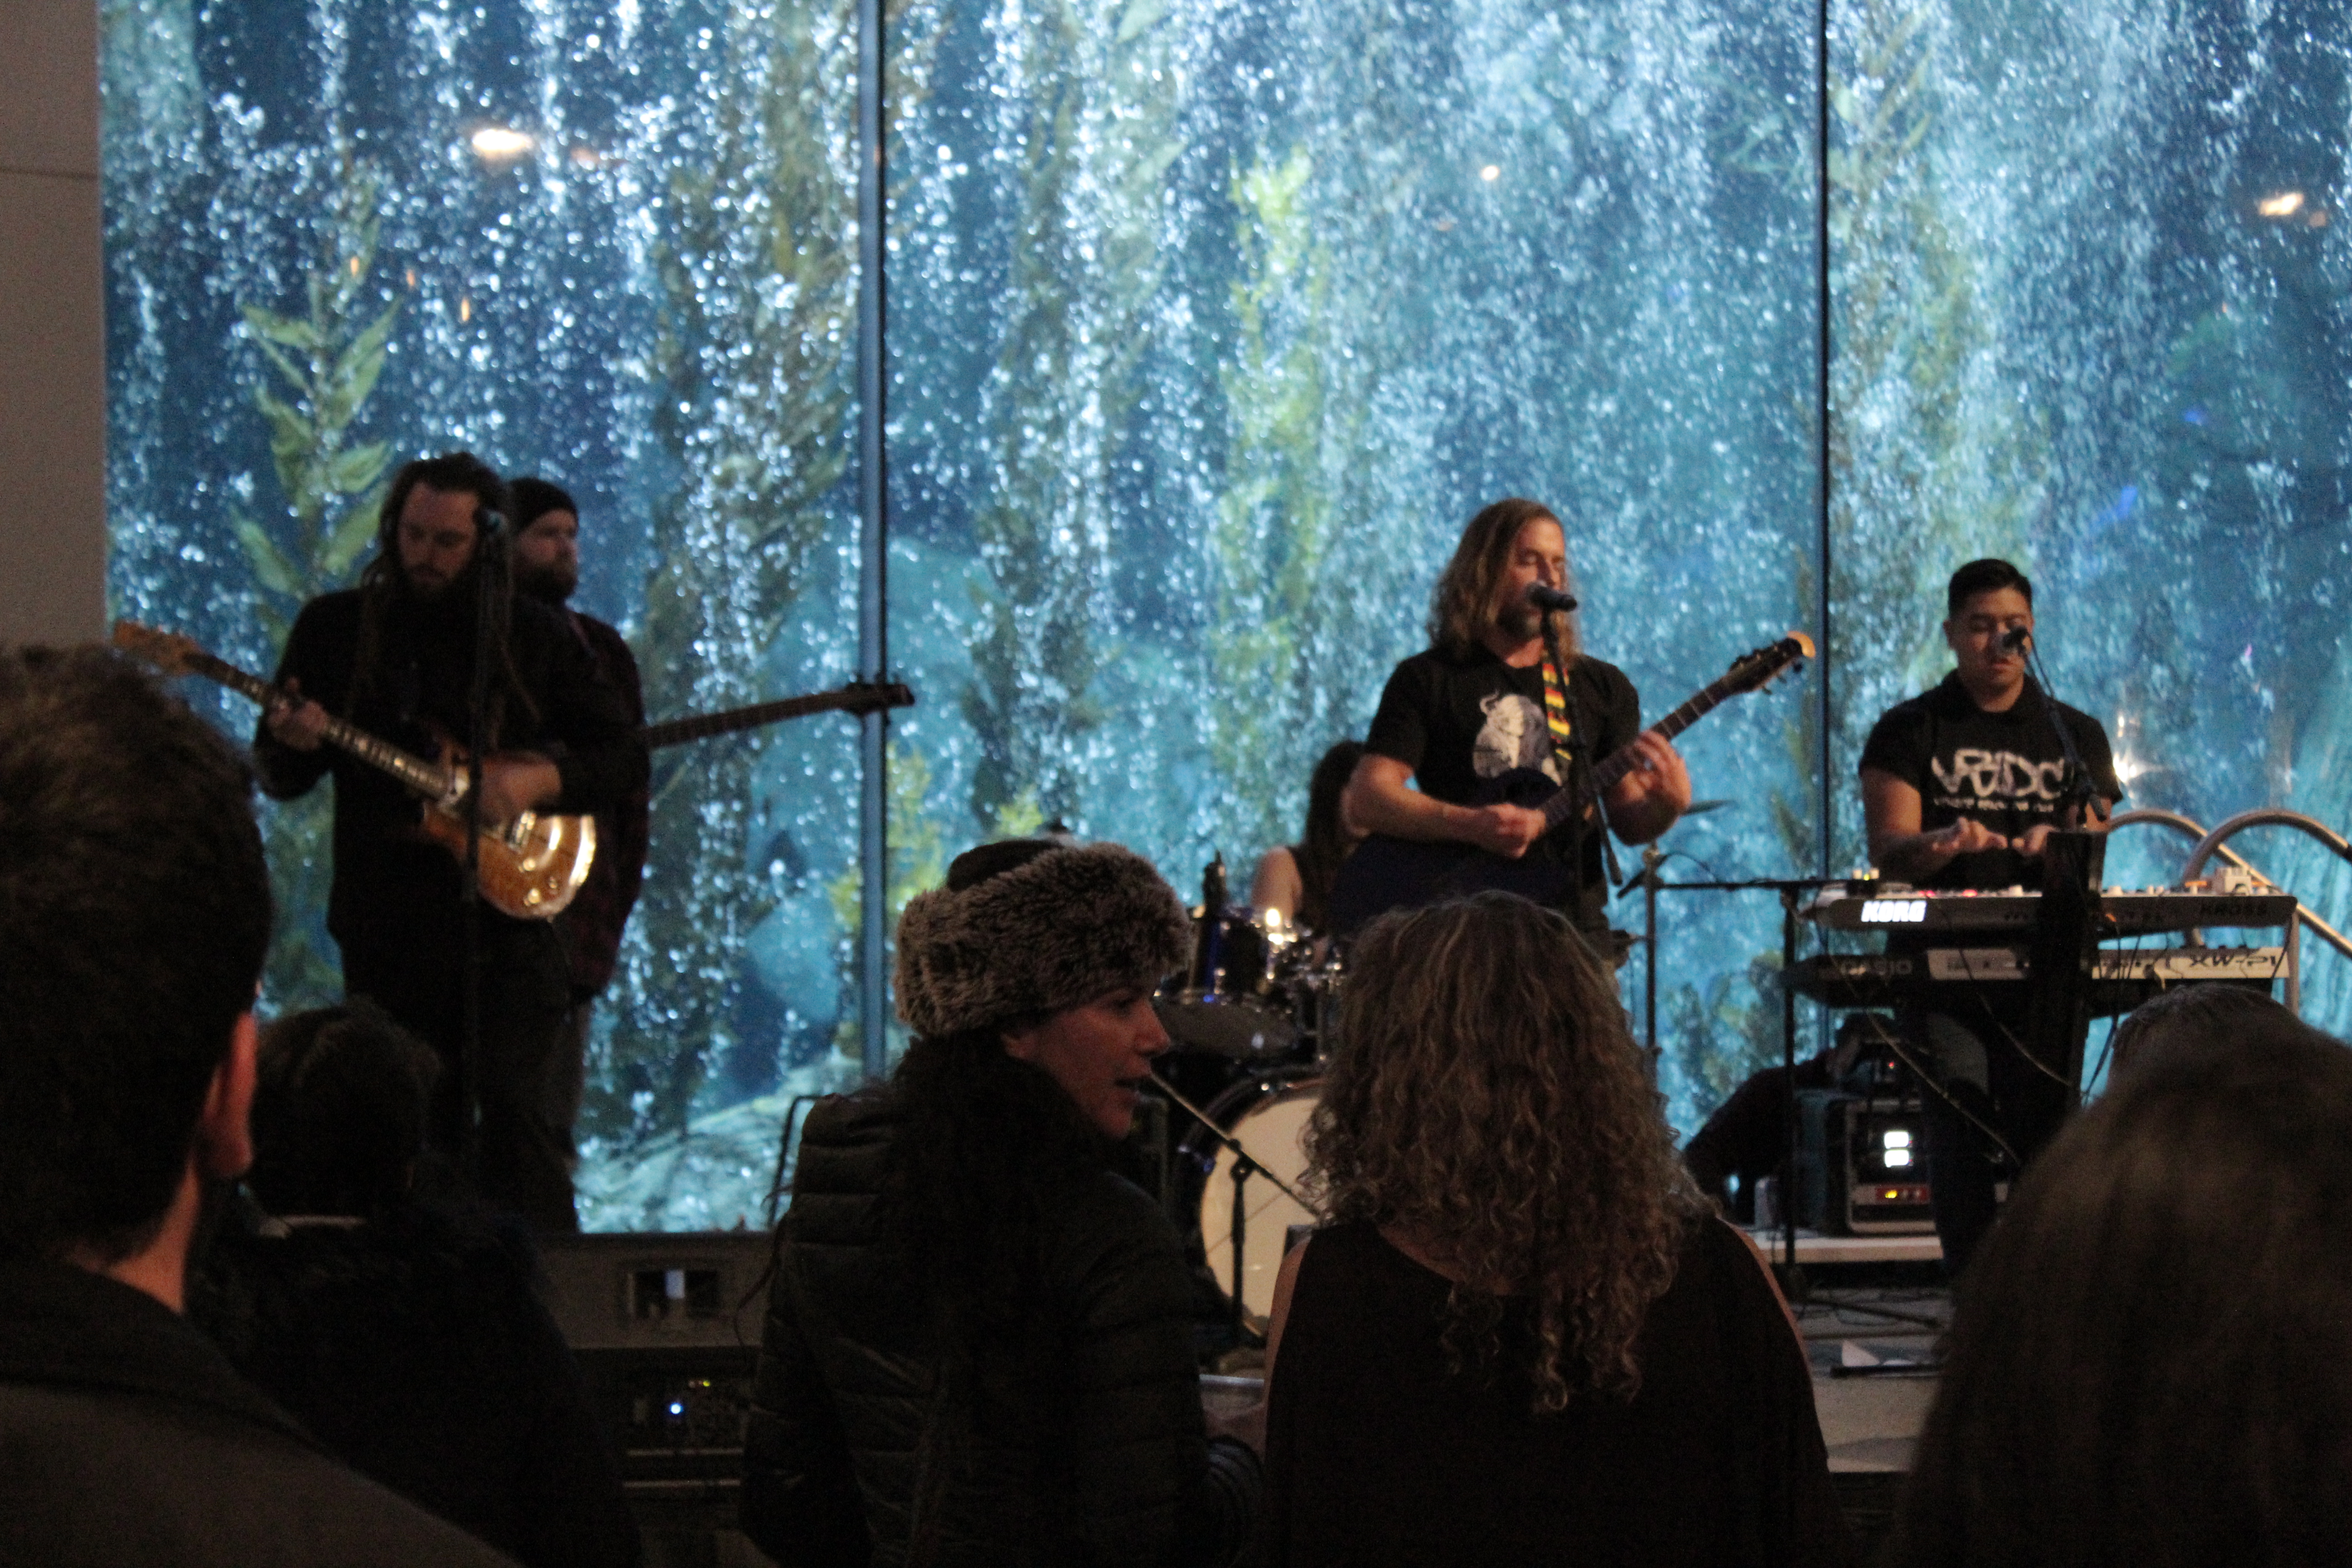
<point x="979" y="1345"/>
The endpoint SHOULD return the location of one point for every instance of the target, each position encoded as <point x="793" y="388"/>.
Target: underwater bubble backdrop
<point x="1210" y="322"/>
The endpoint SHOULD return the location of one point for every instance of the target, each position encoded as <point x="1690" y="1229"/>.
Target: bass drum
<point x="1267" y="1116"/>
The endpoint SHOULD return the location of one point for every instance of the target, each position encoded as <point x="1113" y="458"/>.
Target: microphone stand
<point x="2079" y="790"/>
<point x="1244" y="1168"/>
<point x="489" y="588"/>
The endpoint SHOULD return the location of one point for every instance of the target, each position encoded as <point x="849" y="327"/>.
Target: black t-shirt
<point x="1380" y="1449"/>
<point x="2006" y="770"/>
<point x="1461" y="720"/>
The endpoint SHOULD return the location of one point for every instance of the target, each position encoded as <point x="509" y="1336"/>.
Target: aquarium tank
<point x="1209" y="323"/>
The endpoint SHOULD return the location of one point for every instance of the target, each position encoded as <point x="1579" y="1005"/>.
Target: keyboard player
<point x="1961" y="787"/>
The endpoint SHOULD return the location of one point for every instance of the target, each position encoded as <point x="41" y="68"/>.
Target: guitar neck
<point x="1572" y="802"/>
<point x="672" y="731"/>
<point x="426" y="778"/>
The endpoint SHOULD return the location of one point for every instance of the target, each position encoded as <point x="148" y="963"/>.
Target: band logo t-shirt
<point x="1462" y="722"/>
<point x="2005" y="770"/>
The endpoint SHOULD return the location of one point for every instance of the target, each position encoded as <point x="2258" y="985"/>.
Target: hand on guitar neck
<point x="512" y="782"/>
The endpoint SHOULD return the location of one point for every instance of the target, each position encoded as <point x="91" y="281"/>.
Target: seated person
<point x="1748" y="1136"/>
<point x="1295" y="878"/>
<point x="1523" y="1337"/>
<point x="978" y="1346"/>
<point x="408" y="1339"/>
<point x="134" y="916"/>
<point x="2152" y="1363"/>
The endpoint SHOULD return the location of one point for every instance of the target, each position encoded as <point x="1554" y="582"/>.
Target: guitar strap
<point x="1555" y="717"/>
<point x="1562" y="731"/>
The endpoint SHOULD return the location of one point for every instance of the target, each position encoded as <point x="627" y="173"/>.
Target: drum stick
<point x="1227" y="1139"/>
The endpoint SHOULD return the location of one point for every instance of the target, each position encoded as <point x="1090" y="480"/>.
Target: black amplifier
<point x="1862" y="1162"/>
<point x="666" y="1332"/>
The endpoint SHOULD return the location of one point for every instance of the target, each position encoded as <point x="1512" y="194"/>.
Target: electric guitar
<point x="1387" y="873"/>
<point x="860" y="697"/>
<point x="530" y="867"/>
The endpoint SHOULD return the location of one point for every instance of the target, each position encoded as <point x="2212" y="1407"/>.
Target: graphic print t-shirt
<point x="2005" y="770"/>
<point x="1458" y="722"/>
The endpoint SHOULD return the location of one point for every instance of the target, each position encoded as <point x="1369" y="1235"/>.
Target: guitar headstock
<point x="167" y="651"/>
<point x="1756" y="670"/>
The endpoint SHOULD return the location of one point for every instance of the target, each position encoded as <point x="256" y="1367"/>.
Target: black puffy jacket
<point x="1082" y="1445"/>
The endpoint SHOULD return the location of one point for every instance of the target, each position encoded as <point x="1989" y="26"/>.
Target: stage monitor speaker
<point x="666" y="1332"/>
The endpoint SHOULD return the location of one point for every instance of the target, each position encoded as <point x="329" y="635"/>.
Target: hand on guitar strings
<point x="516" y="783"/>
<point x="1654" y="792"/>
<point x="1504" y="829"/>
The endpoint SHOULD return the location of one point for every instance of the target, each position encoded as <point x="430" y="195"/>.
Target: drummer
<point x="1294" y="881"/>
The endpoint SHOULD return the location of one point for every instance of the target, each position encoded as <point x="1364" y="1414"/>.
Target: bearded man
<point x="395" y="658"/>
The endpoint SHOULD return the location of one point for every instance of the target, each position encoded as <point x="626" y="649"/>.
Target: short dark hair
<point x="1986" y="576"/>
<point x="339" y="1108"/>
<point x="134" y="917"/>
<point x="2152" y="1358"/>
<point x="534" y="498"/>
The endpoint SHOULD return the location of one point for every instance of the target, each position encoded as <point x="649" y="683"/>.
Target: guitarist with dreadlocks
<point x="395" y="658"/>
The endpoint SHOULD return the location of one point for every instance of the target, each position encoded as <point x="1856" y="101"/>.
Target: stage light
<point x="501" y="143"/>
<point x="1491" y="173"/>
<point x="2286" y="204"/>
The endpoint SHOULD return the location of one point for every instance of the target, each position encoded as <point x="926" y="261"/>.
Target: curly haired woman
<point x="1523" y="1337"/>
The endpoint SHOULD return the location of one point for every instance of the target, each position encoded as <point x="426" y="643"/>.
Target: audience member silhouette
<point x="406" y="1336"/>
<point x="2152" y="1364"/>
<point x="134" y="916"/>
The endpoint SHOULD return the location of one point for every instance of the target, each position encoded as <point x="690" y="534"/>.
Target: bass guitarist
<point x="395" y="657"/>
<point x="1504" y="688"/>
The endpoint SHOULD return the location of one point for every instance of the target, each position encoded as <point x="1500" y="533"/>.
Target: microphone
<point x="1548" y="599"/>
<point x="2015" y="638"/>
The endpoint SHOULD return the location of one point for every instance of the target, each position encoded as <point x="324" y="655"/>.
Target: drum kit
<point x="1249" y="1028"/>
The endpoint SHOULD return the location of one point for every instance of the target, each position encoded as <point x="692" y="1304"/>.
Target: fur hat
<point x="1026" y="928"/>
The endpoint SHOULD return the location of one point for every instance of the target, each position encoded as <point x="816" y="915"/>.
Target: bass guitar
<point x="529" y="868"/>
<point x="1387" y="873"/>
<point x="859" y="696"/>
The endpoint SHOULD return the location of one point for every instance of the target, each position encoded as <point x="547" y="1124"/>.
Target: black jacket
<point x="1083" y="1445"/>
<point x="389" y="883"/>
<point x="125" y="1439"/>
<point x="417" y="1349"/>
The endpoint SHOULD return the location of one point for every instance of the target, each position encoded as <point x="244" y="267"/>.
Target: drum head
<point x="1269" y="1120"/>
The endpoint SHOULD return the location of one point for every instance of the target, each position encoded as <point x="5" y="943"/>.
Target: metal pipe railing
<point x="2212" y="842"/>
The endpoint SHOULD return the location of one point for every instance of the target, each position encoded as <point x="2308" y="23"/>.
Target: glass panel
<point x="610" y="241"/>
<point x="1211" y="327"/>
<point x="2091" y="276"/>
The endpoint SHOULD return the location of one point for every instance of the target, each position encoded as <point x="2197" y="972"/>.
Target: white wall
<point x="52" y="328"/>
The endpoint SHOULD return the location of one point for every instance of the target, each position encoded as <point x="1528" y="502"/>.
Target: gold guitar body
<point x="532" y="866"/>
